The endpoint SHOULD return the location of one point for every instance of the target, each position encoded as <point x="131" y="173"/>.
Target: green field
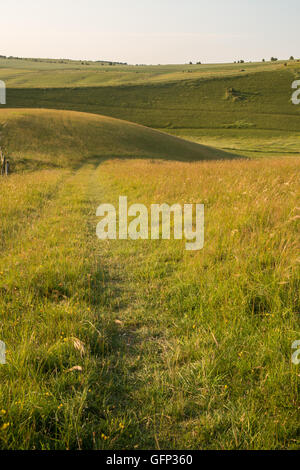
<point x="142" y="344"/>
<point x="256" y="118"/>
<point x="28" y="73"/>
<point x="32" y="136"/>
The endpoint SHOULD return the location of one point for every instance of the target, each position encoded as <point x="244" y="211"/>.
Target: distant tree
<point x="191" y="63"/>
<point x="274" y="59"/>
<point x="264" y="60"/>
<point x="198" y="63"/>
<point x="292" y="58"/>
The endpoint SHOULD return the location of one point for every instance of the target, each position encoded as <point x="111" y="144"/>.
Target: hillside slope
<point x="43" y="73"/>
<point x="65" y="138"/>
<point x="257" y="101"/>
<point x="247" y="111"/>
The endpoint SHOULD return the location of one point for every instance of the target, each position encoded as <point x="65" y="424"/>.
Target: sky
<point x="151" y="31"/>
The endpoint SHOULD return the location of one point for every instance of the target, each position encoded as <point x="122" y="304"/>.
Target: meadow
<point x="124" y="344"/>
<point x="237" y="107"/>
<point x="26" y="73"/>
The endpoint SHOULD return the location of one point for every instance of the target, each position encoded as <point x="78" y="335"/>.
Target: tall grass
<point x="123" y="344"/>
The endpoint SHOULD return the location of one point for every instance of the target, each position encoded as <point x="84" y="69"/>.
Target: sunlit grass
<point x="42" y="74"/>
<point x="123" y="344"/>
<point x="141" y="344"/>
<point x="48" y="138"/>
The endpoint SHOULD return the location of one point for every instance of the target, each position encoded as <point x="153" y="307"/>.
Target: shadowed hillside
<point x="35" y="138"/>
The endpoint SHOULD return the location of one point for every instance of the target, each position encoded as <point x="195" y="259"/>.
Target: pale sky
<point x="151" y="31"/>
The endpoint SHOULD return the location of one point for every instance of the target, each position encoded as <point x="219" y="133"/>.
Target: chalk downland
<point x="38" y="137"/>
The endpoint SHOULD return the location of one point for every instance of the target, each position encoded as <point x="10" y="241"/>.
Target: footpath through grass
<point x="140" y="344"/>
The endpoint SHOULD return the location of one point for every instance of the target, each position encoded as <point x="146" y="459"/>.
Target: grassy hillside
<point x="141" y="344"/>
<point x="64" y="138"/>
<point x="47" y="74"/>
<point x="263" y="101"/>
<point x="240" y="112"/>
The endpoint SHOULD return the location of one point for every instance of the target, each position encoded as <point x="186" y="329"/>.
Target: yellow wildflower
<point x="5" y="426"/>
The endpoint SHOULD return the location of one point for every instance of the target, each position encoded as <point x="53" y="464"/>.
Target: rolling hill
<point x="244" y="110"/>
<point x="64" y="138"/>
<point x="47" y="73"/>
<point x="115" y="344"/>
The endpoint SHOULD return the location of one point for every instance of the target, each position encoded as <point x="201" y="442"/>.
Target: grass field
<point x="217" y="105"/>
<point x="141" y="344"/>
<point x="20" y="73"/>
<point x="31" y="137"/>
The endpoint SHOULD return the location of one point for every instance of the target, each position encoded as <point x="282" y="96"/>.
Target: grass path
<point x="121" y="345"/>
<point x="199" y="356"/>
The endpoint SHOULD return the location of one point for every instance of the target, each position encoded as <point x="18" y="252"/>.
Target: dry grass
<point x="113" y="345"/>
